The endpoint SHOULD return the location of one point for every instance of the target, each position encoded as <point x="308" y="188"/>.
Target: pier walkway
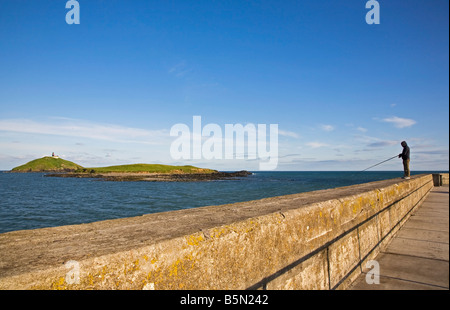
<point x="417" y="258"/>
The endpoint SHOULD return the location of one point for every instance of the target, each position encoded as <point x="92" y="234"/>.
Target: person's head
<point x="403" y="143"/>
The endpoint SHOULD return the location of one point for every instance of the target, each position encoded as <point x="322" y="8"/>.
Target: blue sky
<point x="343" y="93"/>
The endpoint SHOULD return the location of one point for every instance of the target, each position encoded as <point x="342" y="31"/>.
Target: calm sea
<point x="30" y="200"/>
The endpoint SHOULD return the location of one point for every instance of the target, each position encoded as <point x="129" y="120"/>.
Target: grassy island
<point x="48" y="164"/>
<point x="134" y="172"/>
<point x="56" y="164"/>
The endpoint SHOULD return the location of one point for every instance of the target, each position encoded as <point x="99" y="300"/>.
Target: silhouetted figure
<point x="405" y="156"/>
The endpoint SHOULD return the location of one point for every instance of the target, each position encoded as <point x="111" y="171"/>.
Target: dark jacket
<point x="405" y="154"/>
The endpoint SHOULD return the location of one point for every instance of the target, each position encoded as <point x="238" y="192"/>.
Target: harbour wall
<point x="314" y="240"/>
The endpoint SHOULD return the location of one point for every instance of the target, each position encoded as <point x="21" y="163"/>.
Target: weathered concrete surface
<point x="315" y="240"/>
<point x="445" y="179"/>
<point x="418" y="256"/>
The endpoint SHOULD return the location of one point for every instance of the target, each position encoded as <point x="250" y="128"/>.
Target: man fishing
<point x="405" y="156"/>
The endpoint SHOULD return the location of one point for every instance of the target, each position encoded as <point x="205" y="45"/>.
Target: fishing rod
<point x="380" y="163"/>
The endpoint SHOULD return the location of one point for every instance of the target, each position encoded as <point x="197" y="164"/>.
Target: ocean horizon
<point x="31" y="200"/>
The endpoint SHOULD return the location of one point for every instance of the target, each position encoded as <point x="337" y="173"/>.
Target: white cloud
<point x="83" y="129"/>
<point x="288" y="134"/>
<point x="315" y="145"/>
<point x="380" y="144"/>
<point x="327" y="127"/>
<point x="179" y="70"/>
<point x="361" y="129"/>
<point x="399" y="122"/>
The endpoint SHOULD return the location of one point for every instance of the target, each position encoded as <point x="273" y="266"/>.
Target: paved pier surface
<point x="418" y="256"/>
